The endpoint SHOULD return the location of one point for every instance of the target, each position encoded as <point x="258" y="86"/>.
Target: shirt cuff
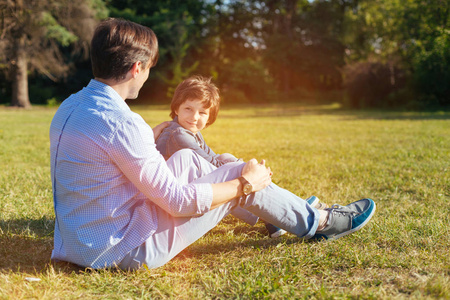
<point x="204" y="193"/>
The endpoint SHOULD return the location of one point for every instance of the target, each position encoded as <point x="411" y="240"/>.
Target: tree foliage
<point x="179" y="26"/>
<point x="256" y="51"/>
<point x="432" y="74"/>
<point x="34" y="34"/>
<point x="413" y="35"/>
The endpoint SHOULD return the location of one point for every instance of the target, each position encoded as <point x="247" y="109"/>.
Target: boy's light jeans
<point x="273" y="204"/>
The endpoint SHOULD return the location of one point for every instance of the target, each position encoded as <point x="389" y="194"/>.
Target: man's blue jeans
<point x="273" y="204"/>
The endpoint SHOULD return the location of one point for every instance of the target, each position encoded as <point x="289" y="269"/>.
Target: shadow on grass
<point x="24" y="254"/>
<point x="26" y="246"/>
<point x="257" y="238"/>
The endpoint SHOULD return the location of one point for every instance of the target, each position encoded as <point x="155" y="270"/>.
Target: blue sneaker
<point x="274" y="231"/>
<point x="343" y="220"/>
<point x="315" y="202"/>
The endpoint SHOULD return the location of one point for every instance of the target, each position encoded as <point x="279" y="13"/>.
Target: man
<point x="119" y="203"/>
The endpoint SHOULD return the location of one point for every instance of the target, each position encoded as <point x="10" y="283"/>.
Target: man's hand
<point x="257" y="174"/>
<point x="159" y="128"/>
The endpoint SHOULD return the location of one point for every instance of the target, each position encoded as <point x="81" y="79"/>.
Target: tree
<point x="300" y="41"/>
<point x="410" y="36"/>
<point x="177" y="50"/>
<point x="180" y="27"/>
<point x="34" y="33"/>
<point x="432" y="74"/>
<point x="291" y="43"/>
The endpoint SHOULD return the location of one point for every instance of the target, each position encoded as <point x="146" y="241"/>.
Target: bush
<point x="40" y="88"/>
<point x="252" y="79"/>
<point x="233" y="96"/>
<point x="52" y="102"/>
<point x="369" y="84"/>
<point x="432" y="73"/>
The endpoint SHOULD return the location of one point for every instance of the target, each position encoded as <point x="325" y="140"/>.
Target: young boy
<point x="195" y="106"/>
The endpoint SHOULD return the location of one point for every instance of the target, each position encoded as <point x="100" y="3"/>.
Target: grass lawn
<point x="401" y="160"/>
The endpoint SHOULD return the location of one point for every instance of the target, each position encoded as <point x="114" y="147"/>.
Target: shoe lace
<point x="342" y="210"/>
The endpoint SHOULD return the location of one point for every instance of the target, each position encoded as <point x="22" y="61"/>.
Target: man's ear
<point x="136" y="69"/>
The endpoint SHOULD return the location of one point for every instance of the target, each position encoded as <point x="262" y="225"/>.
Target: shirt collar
<point x="108" y="92"/>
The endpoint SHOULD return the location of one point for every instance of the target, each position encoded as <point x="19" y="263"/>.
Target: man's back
<point x="104" y="214"/>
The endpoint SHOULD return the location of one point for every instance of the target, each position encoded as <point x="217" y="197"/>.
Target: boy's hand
<point x="257" y="174"/>
<point x="227" y="158"/>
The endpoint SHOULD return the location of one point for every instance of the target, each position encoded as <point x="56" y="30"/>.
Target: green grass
<point x="401" y="160"/>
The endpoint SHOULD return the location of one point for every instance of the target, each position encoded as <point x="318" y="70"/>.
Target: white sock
<point x="323" y="219"/>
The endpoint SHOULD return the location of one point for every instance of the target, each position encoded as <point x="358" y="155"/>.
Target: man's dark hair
<point x="117" y="44"/>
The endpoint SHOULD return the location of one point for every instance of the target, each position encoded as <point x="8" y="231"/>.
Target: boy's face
<point x="192" y="115"/>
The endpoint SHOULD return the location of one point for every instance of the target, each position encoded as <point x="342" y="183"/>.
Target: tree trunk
<point x="20" y="97"/>
<point x="291" y="7"/>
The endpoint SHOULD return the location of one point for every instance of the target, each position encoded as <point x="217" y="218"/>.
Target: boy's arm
<point x="222" y="159"/>
<point x="205" y="147"/>
<point x="181" y="139"/>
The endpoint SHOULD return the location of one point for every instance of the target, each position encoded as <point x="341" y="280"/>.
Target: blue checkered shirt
<point x="109" y="180"/>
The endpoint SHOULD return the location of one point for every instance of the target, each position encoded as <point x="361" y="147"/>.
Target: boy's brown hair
<point x="197" y="88"/>
<point x="117" y="44"/>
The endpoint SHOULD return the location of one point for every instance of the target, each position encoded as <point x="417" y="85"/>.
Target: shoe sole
<point x="278" y="233"/>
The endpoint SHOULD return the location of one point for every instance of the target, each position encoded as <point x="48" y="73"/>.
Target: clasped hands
<point x="257" y="174"/>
